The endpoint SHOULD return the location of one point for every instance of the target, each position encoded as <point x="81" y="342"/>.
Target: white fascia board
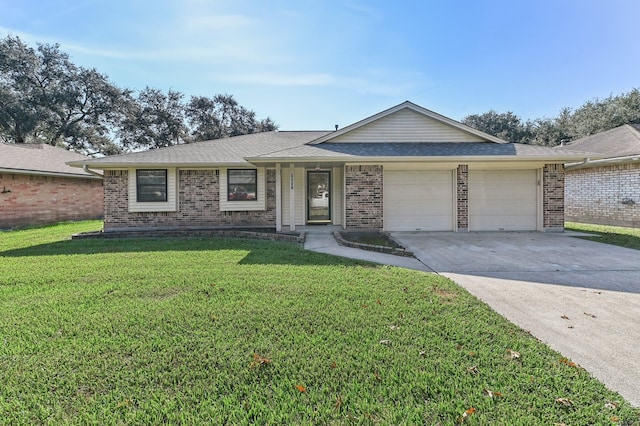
<point x="602" y="162"/>
<point x="117" y="166"/>
<point x="391" y="159"/>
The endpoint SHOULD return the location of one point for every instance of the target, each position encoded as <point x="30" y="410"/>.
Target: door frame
<point x="328" y="173"/>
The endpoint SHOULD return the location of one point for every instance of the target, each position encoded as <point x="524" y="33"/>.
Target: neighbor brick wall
<point x="198" y="204"/>
<point x="39" y="200"/>
<point x="363" y="197"/>
<point x="462" y="177"/>
<point x="553" y="197"/>
<point x="608" y="195"/>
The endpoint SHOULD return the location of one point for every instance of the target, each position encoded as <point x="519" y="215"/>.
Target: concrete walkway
<point x="320" y="239"/>
<point x="582" y="298"/>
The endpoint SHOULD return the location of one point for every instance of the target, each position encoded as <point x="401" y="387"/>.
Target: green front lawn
<point x="224" y="331"/>
<point x="616" y="235"/>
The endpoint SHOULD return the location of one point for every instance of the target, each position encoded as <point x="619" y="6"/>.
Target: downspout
<point x="86" y="168"/>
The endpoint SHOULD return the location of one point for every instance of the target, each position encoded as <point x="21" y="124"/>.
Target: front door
<point x="318" y="196"/>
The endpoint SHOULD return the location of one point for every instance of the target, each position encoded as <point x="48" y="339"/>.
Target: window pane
<point x="151" y="185"/>
<point x="242" y="185"/>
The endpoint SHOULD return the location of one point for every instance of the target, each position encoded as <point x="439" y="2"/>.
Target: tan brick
<point x="198" y="204"/>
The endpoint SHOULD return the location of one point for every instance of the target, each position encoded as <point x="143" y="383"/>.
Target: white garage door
<point x="418" y="200"/>
<point x="504" y="200"/>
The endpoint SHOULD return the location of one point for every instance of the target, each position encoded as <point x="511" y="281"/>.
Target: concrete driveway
<point x="580" y="297"/>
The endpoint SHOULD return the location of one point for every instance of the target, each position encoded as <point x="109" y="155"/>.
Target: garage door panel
<point x="507" y="207"/>
<point x="418" y="200"/>
<point x="503" y="200"/>
<point x="502" y="223"/>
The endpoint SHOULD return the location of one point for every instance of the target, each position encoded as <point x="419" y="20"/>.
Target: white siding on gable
<point x="259" y="204"/>
<point x="171" y="205"/>
<point x="406" y="126"/>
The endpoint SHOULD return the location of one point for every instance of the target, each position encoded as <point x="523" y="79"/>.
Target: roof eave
<point x="156" y="165"/>
<point x="392" y="159"/>
<point x="586" y="163"/>
<point x="45" y="173"/>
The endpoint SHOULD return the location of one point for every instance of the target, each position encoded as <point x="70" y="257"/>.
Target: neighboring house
<point x="403" y="169"/>
<point x="37" y="187"/>
<point x="606" y="191"/>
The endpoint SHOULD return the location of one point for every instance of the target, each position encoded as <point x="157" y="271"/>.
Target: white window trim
<point x="171" y="205"/>
<point x="230" y="206"/>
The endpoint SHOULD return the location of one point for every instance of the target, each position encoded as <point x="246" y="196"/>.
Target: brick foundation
<point x="40" y="200"/>
<point x="607" y="195"/>
<point x="198" y="204"/>
<point x="553" y="197"/>
<point x="363" y="197"/>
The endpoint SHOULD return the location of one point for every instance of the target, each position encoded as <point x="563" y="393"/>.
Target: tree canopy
<point x="45" y="98"/>
<point x="592" y="117"/>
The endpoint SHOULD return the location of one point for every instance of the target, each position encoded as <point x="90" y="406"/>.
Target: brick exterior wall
<point x="198" y="204"/>
<point x="553" y="197"/>
<point x="40" y="200"/>
<point x="363" y="197"/>
<point x="607" y="195"/>
<point x="462" y="177"/>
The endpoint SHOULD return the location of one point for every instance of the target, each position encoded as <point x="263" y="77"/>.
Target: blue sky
<point x="313" y="64"/>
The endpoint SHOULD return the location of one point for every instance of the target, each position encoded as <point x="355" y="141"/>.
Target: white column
<point x="292" y="198"/>
<point x="278" y="198"/>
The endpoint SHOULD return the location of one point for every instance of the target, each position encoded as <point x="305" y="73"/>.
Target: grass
<point x="223" y="331"/>
<point x="616" y="235"/>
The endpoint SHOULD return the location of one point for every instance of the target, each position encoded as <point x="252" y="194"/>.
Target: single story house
<point x="404" y="169"/>
<point x="38" y="187"/>
<point x="606" y="191"/>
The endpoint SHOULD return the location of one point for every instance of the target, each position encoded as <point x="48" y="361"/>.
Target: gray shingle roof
<point x="418" y="149"/>
<point x="228" y="151"/>
<point x="292" y="146"/>
<point x="619" y="142"/>
<point x="39" y="159"/>
<point x="295" y="146"/>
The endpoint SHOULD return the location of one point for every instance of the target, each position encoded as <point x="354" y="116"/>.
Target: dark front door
<point x="318" y="196"/>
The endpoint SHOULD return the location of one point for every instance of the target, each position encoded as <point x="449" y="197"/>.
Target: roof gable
<point x="407" y="122"/>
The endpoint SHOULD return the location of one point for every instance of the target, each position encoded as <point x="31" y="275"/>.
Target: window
<point x="151" y="185"/>
<point x="242" y="185"/>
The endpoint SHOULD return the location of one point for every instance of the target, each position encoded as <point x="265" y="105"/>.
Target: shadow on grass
<point x="258" y="252"/>
<point x="622" y="240"/>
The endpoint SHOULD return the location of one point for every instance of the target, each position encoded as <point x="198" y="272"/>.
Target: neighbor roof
<point x="619" y="142"/>
<point x="40" y="159"/>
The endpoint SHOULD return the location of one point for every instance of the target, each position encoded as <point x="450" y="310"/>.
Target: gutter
<point x="395" y="159"/>
<point x="44" y="173"/>
<point x="587" y="162"/>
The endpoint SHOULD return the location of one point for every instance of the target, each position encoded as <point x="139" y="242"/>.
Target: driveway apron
<point x="580" y="297"/>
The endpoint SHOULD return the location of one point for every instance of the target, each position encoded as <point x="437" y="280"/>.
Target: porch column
<point x="278" y="198"/>
<point x="292" y="198"/>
